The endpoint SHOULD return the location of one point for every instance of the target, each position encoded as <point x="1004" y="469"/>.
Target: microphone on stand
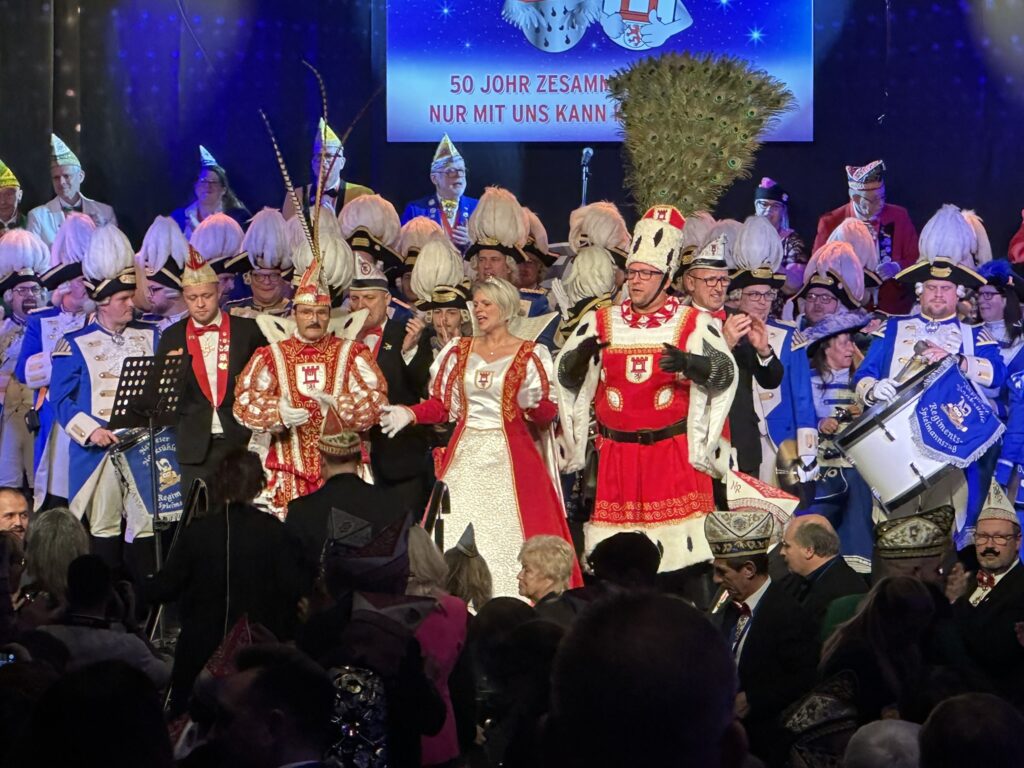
<point x="588" y="152"/>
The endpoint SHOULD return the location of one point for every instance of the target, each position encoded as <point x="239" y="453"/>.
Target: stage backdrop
<point x="135" y="85"/>
<point x="536" y="70"/>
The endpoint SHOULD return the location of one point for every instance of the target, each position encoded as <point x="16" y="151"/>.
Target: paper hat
<point x="163" y="253"/>
<point x="68" y="250"/>
<point x="536" y="244"/>
<point x="61" y="154"/>
<point x="657" y="239"/>
<point x="206" y="158"/>
<point x="438" y="263"/>
<point x="946" y="246"/>
<point x="866" y="176"/>
<point x="313" y="289"/>
<point x="710" y="256"/>
<point x="444" y="155"/>
<point x="369" y="276"/>
<point x="326" y="140"/>
<point x="757" y="255"/>
<point x="7" y="177"/>
<point x="267" y="241"/>
<point x="996" y="506"/>
<point x="197" y="270"/>
<point x="335" y="439"/>
<point x="927" y="534"/>
<point x="836" y="268"/>
<point x="749" y="493"/>
<point x="109" y="263"/>
<point x="354" y="558"/>
<point x="497" y="224"/>
<point x="739" y="533"/>
<point x="859" y="236"/>
<point x="769" y="189"/>
<point x="467" y="543"/>
<point x="829" y="326"/>
<point x="23" y="258"/>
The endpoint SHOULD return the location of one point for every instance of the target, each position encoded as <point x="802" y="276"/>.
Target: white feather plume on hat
<point x="983" y="249"/>
<point x="758" y="246"/>
<point x="839" y="259"/>
<point x="856" y="233"/>
<point x="337" y="261"/>
<point x="591" y="273"/>
<point x="438" y="263"/>
<point x="374" y="214"/>
<point x="72" y="239"/>
<point x="698" y="228"/>
<point x="948" y="235"/>
<point x="21" y="250"/>
<point x="108" y="255"/>
<point x="163" y="240"/>
<point x="415" y="234"/>
<point x="598" y="224"/>
<point x="535" y="229"/>
<point x="499" y="217"/>
<point x="266" y="241"/>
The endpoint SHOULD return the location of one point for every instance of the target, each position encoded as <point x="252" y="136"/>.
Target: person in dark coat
<point x="220" y="347"/>
<point x="237" y="561"/>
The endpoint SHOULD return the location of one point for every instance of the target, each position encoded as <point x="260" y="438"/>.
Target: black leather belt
<point x="643" y="436"/>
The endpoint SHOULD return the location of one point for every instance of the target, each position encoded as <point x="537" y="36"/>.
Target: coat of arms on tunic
<point x="639" y="368"/>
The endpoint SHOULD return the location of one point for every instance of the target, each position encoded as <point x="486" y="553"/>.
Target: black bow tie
<point x="330" y="193"/>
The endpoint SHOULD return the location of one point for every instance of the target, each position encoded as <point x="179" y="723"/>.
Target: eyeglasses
<point x="714" y="282"/>
<point x="642" y="274"/>
<point x="28" y="290"/>
<point x="208" y="183"/>
<point x="759" y="295"/>
<point x="1002" y="539"/>
<point x="454" y="172"/>
<point x="820" y="299"/>
<point x="987" y="295"/>
<point x="265" y="277"/>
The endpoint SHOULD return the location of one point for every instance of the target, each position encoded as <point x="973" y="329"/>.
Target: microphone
<point x="588" y="152"/>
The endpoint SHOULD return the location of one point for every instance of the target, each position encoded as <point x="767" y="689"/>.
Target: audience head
<point x="469" y="578"/>
<point x="809" y="541"/>
<point x="275" y="709"/>
<point x="13" y="511"/>
<point x="547" y="566"/>
<point x="428" y="572"/>
<point x="739" y="542"/>
<point x="240" y="477"/>
<point x="665" y="659"/>
<point x="356" y="559"/>
<point x="629" y="560"/>
<point x="913" y="546"/>
<point x="90" y="584"/>
<point x="892" y="743"/>
<point x="997" y="537"/>
<point x="56" y="538"/>
<point x="973" y="729"/>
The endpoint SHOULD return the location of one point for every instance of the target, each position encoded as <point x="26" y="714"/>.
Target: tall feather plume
<point x="591" y="273"/>
<point x="415" y="234"/>
<point x="856" y="233"/>
<point x="163" y="241"/>
<point x="437" y="264"/>
<point x="948" y="235"/>
<point x="267" y="240"/>
<point x="360" y="113"/>
<point x="535" y="227"/>
<point x="758" y="245"/>
<point x="72" y="239"/>
<point x="108" y="255"/>
<point x="21" y="249"/>
<point x="322" y="176"/>
<point x="983" y="250"/>
<point x="498" y="216"/>
<point x="374" y="214"/>
<point x="840" y="259"/>
<point x="288" y="184"/>
<point x="336" y="258"/>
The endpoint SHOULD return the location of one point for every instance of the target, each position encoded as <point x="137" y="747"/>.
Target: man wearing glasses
<point x="990" y="615"/>
<point x="661" y="379"/>
<point x="448" y="206"/>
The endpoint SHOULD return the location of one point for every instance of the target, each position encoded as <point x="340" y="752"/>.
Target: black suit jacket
<point x="308" y="515"/>
<point x="406" y="455"/>
<point x="989" y="636"/>
<point x="743" y="420"/>
<point x="195" y="412"/>
<point x="837" y="580"/>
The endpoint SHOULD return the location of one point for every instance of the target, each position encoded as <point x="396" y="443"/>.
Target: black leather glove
<point x="572" y="365"/>
<point x="674" y="360"/>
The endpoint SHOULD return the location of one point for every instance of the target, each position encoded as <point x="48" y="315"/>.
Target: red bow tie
<point x="985" y="580"/>
<point x="374" y="331"/>
<point x="207" y="329"/>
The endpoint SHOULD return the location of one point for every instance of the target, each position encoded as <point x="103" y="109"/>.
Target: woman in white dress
<point x="499" y="465"/>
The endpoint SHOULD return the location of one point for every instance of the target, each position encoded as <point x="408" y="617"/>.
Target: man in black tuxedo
<point x="990" y="615"/>
<point x="344" y="490"/>
<point x="771" y="638"/>
<point x="818" y="574"/>
<point x="220" y="346"/>
<point x="403" y="354"/>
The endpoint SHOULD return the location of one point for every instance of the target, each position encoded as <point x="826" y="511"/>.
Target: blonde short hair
<point x="553" y="556"/>
<point x="502" y="293"/>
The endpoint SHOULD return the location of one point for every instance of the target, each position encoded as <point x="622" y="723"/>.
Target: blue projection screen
<point x="535" y="70"/>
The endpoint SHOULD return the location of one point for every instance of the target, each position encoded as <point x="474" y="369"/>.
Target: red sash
<point x="199" y="364"/>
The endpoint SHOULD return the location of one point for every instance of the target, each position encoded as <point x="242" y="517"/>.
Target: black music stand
<point x="438" y="508"/>
<point x="147" y="397"/>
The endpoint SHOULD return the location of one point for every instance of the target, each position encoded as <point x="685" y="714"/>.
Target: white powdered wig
<point x="21" y="249"/>
<point x="267" y="241"/>
<point x="108" y="255"/>
<point x="72" y="239"/>
<point x="591" y="273"/>
<point x="336" y="258"/>
<point x="948" y="235"/>
<point x="758" y="246"/>
<point x="415" y="234"/>
<point x="163" y="241"/>
<point x="983" y="249"/>
<point x="437" y="264"/>
<point x="498" y="217"/>
<point x="839" y="258"/>
<point x="697" y="230"/>
<point x="374" y="214"/>
<point x="856" y="233"/>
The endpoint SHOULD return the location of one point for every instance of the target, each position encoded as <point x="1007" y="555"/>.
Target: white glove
<point x="324" y="398"/>
<point x="292" y="417"/>
<point x="561" y="297"/>
<point x="528" y="398"/>
<point x="883" y="390"/>
<point x="807" y="469"/>
<point x="395" y="418"/>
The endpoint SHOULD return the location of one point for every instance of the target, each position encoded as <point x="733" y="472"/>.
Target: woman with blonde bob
<point x="500" y="465"/>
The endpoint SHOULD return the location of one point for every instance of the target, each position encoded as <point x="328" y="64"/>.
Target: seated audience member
<point x="21" y="686"/>
<point x="235" y="561"/>
<point x="547" y="567"/>
<point x="442" y="636"/>
<point x="973" y="729"/>
<point x="669" y="663"/>
<point x="106" y="714"/>
<point x="87" y="630"/>
<point x="56" y="539"/>
<point x="889" y="743"/>
<point x="469" y="578"/>
<point x="274" y="711"/>
<point x="627" y="560"/>
<point x="13" y="511"/>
